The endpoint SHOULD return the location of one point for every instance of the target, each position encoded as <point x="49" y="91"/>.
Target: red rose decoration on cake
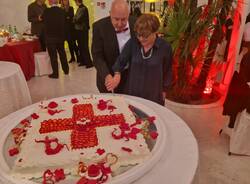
<point x="102" y="105"/>
<point x="59" y="174"/>
<point x="13" y="151"/>
<point x="93" y="170"/>
<point x="154" y="135"/>
<point x="151" y="119"/>
<point x="111" y="108"/>
<point x="52" y="112"/>
<point x="34" y="116"/>
<point x="100" y="151"/>
<point x="74" y="100"/>
<point x="52" y="105"/>
<point x="127" y="149"/>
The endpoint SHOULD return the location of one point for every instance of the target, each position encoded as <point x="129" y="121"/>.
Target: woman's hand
<point x="116" y="80"/>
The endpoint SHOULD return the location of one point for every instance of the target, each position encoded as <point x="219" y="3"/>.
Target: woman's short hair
<point x="79" y="1"/>
<point x="146" y="24"/>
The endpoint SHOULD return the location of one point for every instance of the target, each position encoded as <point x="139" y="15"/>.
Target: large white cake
<point x="94" y="130"/>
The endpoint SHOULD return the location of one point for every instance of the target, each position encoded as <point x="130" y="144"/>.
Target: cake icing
<point x="85" y="130"/>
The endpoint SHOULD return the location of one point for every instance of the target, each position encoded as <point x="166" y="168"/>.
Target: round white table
<point x="14" y="92"/>
<point x="179" y="163"/>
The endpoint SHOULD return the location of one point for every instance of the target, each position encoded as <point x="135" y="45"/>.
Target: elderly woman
<point x="150" y="62"/>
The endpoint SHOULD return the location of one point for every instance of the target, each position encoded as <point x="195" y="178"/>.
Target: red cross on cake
<point x="83" y="135"/>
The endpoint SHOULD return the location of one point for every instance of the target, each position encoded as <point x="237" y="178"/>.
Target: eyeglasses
<point x="144" y="36"/>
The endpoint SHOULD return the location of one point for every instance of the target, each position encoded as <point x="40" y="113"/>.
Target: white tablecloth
<point x="14" y="92"/>
<point x="179" y="163"/>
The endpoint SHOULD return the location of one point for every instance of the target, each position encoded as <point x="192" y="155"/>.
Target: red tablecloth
<point x="21" y="53"/>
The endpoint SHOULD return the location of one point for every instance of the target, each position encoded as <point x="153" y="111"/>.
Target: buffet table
<point x="178" y="163"/>
<point x="22" y="53"/>
<point x="14" y="91"/>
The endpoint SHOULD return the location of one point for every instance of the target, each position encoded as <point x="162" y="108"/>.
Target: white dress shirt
<point x="123" y="37"/>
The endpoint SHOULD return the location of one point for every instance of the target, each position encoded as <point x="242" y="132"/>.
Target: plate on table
<point x="125" y="175"/>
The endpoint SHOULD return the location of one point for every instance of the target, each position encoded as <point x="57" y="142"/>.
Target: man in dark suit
<point x="35" y="12"/>
<point x="109" y="36"/>
<point x="54" y="23"/>
<point x="81" y="21"/>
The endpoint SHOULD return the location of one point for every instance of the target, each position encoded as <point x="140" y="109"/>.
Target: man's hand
<point x="112" y="82"/>
<point x="109" y="82"/>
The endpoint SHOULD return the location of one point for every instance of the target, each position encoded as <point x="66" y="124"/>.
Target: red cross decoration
<point x="82" y="135"/>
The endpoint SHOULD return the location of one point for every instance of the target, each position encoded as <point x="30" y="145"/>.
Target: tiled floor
<point x="215" y="166"/>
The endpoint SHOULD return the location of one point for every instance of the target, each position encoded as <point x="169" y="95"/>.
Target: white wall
<point x="14" y="12"/>
<point x="101" y="8"/>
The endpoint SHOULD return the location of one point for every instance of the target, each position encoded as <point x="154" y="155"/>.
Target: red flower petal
<point x="83" y="180"/>
<point x="13" y="151"/>
<point x="124" y="126"/>
<point x="92" y="182"/>
<point x="135" y="130"/>
<point x="17" y="131"/>
<point x="111" y="108"/>
<point x="52" y="105"/>
<point x="151" y="119"/>
<point x="51" y="112"/>
<point x="100" y="151"/>
<point x="126" y="149"/>
<point x="74" y="100"/>
<point x="25" y="123"/>
<point x="34" y="116"/>
<point x="59" y="175"/>
<point x="105" y="170"/>
<point x="138" y="122"/>
<point x="132" y="136"/>
<point x="93" y="170"/>
<point x="102" y="105"/>
<point x="154" y="134"/>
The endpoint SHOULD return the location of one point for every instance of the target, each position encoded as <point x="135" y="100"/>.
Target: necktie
<point x="121" y="31"/>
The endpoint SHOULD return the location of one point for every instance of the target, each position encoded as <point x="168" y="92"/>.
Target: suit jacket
<point x="54" y="22"/>
<point x="105" y="51"/>
<point x="34" y="11"/>
<point x="81" y="18"/>
<point x="69" y="26"/>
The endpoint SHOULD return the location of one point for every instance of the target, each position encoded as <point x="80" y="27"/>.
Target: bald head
<point x="119" y="14"/>
<point x="120" y="5"/>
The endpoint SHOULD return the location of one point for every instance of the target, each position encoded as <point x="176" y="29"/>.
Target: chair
<point x="42" y="64"/>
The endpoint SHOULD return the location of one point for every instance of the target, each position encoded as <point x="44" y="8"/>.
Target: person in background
<point x="109" y="37"/>
<point x="81" y="22"/>
<point x="35" y="12"/>
<point x="150" y="58"/>
<point x="70" y="30"/>
<point x="54" y="24"/>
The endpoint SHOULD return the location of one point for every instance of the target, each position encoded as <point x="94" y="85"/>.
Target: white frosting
<point x="35" y="161"/>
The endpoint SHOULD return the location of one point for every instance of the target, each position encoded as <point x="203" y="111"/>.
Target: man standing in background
<point x="54" y="26"/>
<point x="109" y="37"/>
<point x="35" y="12"/>
<point x="81" y="21"/>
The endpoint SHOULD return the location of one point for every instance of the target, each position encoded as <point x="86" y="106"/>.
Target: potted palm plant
<point x="190" y="29"/>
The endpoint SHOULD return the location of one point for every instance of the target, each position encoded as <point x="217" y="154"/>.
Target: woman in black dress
<point x="150" y="62"/>
<point x="69" y="30"/>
